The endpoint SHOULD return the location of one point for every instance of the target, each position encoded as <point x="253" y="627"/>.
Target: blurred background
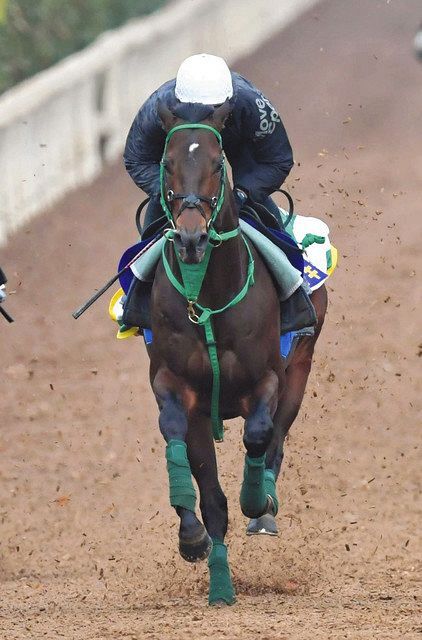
<point x="33" y="36"/>
<point x="87" y="539"/>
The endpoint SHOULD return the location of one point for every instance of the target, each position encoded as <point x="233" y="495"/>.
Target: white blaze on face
<point x="193" y="146"/>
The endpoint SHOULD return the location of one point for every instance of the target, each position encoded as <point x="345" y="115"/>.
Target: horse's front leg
<point x="257" y="436"/>
<point x="194" y="541"/>
<point x="291" y="399"/>
<point x="203" y="462"/>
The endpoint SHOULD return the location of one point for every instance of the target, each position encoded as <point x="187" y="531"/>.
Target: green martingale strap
<point x="193" y="276"/>
<point x="182" y="492"/>
<point x="217" y="423"/>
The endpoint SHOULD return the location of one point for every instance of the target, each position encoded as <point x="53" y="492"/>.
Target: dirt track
<point x="88" y="541"/>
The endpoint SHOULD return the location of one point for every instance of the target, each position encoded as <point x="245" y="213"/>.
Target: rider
<point x="254" y="140"/>
<point x="3" y="280"/>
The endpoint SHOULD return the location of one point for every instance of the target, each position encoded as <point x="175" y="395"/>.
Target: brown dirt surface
<point x="88" y="544"/>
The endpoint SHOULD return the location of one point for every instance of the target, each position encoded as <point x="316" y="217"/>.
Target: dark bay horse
<point x="245" y="339"/>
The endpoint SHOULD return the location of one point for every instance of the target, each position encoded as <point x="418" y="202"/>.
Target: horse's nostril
<point x="177" y="237"/>
<point x="203" y="239"/>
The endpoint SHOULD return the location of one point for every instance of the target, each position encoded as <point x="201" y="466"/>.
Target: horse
<point x="216" y="349"/>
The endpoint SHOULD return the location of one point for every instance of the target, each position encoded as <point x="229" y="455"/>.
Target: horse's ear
<point x="166" y="116"/>
<point x="221" y="114"/>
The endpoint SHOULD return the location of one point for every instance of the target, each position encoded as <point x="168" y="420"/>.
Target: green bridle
<point x="194" y="274"/>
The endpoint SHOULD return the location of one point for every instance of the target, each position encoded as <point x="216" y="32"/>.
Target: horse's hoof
<point x="220" y="603"/>
<point x="195" y="549"/>
<point x="265" y="524"/>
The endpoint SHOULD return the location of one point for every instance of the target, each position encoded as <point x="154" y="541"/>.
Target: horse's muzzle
<point x="191" y="245"/>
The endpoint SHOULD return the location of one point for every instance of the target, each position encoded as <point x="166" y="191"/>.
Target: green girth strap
<point x="192" y="277"/>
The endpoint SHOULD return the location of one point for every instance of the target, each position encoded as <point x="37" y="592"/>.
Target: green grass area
<point x="34" y="34"/>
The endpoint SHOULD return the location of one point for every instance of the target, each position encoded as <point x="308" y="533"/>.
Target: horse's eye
<point x="167" y="166"/>
<point x="219" y="166"/>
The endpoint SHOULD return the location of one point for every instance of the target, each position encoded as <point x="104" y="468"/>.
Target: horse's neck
<point x="228" y="217"/>
<point x="228" y="263"/>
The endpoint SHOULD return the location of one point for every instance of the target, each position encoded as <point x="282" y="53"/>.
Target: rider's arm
<point x="144" y="147"/>
<point x="268" y="156"/>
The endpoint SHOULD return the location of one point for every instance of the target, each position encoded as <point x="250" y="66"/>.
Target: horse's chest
<point x="191" y="358"/>
<point x="199" y="365"/>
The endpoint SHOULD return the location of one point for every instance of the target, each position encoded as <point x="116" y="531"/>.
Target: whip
<point x="103" y="289"/>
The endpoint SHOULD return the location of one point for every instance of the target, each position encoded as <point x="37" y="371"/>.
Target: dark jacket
<point x="254" y="140"/>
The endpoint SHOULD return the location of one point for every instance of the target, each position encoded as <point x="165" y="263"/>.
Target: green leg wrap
<point x="253" y="495"/>
<point x="269" y="483"/>
<point x="221" y="586"/>
<point x="182" y="492"/>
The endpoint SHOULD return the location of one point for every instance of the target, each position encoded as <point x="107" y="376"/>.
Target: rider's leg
<point x="269" y="204"/>
<point x="153" y="212"/>
<point x="297" y="311"/>
<point x="136" y="308"/>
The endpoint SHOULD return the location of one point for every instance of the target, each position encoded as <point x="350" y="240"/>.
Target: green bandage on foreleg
<point x="253" y="495"/>
<point x="182" y="492"/>
<point x="269" y="482"/>
<point x="221" y="586"/>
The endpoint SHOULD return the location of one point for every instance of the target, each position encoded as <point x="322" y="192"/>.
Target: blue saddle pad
<point x="127" y="276"/>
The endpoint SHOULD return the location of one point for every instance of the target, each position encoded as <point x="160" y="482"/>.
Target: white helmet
<point x="205" y="79"/>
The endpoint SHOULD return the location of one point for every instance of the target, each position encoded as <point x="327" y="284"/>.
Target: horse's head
<point x="192" y="179"/>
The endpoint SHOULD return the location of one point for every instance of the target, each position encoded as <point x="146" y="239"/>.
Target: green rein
<point x="193" y="276"/>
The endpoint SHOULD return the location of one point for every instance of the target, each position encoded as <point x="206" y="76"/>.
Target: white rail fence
<point x="59" y="128"/>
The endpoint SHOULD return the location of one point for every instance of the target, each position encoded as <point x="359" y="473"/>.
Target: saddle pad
<point x="288" y="278"/>
<point x="281" y="239"/>
<point x="320" y="257"/>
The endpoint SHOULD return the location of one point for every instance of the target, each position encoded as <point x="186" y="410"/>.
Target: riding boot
<point x="137" y="306"/>
<point x="297" y="312"/>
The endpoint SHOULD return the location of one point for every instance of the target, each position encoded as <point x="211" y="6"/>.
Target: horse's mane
<point x="194" y="112"/>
